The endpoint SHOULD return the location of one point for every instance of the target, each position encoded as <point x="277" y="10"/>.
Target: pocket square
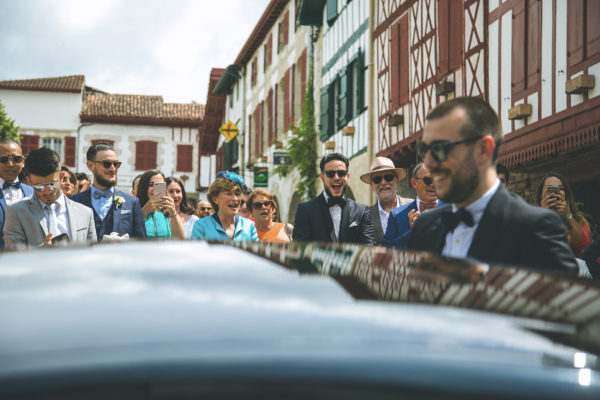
<point x="354" y="223"/>
<point x="125" y="212"/>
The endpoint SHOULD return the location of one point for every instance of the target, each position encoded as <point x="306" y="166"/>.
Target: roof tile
<point x="69" y="84"/>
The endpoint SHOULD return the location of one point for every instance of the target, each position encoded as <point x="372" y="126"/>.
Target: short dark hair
<point x="142" y="192"/>
<point x="42" y="162"/>
<point x="331" y="157"/>
<point x="501" y="169"/>
<point x="82" y="176"/>
<point x="482" y="119"/>
<point x="185" y="207"/>
<point x="95" y="148"/>
<point x="133" y="181"/>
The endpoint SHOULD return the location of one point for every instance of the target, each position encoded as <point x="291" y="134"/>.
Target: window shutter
<point x="443" y="32"/>
<point x="70" y="144"/>
<point x="270" y="49"/>
<point x="456" y="35"/>
<point x="257" y="131"/>
<point x="331" y="11"/>
<point x="286" y="27"/>
<point x="575" y="31"/>
<point x="270" y="116"/>
<point x="145" y="155"/>
<point x="534" y="21"/>
<point x="250" y="140"/>
<point x="275" y="110"/>
<point x="518" y="47"/>
<point x="342" y="100"/>
<point x="185" y="157"/>
<point x="286" y="100"/>
<point x="261" y="127"/>
<point x="325" y="126"/>
<point x="403" y="63"/>
<point x="395" y="66"/>
<point x="360" y="81"/>
<point x="292" y="93"/>
<point x="28" y="143"/>
<point x="592" y="28"/>
<point x="303" y="74"/>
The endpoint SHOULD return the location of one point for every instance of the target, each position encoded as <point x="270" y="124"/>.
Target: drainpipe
<point x="245" y="128"/>
<point x="372" y="130"/>
<point x="78" y="142"/>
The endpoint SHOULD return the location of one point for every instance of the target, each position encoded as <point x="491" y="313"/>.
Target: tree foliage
<point x="8" y="129"/>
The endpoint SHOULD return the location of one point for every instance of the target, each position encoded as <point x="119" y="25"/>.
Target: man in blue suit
<point x="114" y="211"/>
<point x="11" y="190"/>
<point x="402" y="218"/>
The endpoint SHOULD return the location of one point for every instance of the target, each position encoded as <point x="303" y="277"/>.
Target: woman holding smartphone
<point x="554" y="193"/>
<point x="162" y="221"/>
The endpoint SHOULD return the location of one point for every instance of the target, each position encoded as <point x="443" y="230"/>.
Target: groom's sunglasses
<point x="340" y="172"/>
<point x="440" y="149"/>
<point x="106" y="164"/>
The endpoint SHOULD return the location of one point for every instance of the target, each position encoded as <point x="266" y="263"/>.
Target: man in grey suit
<point x="49" y="216"/>
<point x="384" y="178"/>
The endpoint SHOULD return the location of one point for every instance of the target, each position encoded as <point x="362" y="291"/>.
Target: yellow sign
<point x="229" y="130"/>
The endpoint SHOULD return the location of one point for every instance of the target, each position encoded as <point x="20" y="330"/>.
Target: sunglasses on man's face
<point x="440" y="149"/>
<point x="106" y="164"/>
<point x="340" y="173"/>
<point x="52" y="186"/>
<point x="205" y="208"/>
<point x="15" y="159"/>
<point x="260" y="204"/>
<point x="387" y="177"/>
<point x="426" y="180"/>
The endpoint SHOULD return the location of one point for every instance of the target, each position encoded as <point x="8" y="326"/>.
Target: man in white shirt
<point x="49" y="216"/>
<point x="483" y="220"/>
<point x="11" y="189"/>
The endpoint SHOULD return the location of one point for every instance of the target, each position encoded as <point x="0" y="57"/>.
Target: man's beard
<point x="103" y="182"/>
<point x="464" y="182"/>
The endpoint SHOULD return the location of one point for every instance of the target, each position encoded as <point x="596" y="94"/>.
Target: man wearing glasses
<point x="204" y="209"/>
<point x="483" y="220"/>
<point x="384" y="178"/>
<point x="11" y="190"/>
<point x="331" y="217"/>
<point x="114" y="210"/>
<point x="402" y="219"/>
<point x="49" y="216"/>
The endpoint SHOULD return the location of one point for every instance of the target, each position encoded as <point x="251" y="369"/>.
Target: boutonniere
<point x="119" y="200"/>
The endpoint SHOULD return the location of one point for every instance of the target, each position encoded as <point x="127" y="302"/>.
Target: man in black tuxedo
<point x="331" y="217"/>
<point x="483" y="220"/>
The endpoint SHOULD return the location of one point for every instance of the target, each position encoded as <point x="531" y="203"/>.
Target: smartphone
<point x="160" y="189"/>
<point x="553" y="189"/>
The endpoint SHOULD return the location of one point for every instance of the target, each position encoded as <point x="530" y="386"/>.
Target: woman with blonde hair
<point x="263" y="206"/>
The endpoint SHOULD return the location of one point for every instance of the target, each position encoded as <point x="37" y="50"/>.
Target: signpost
<point x="280" y="158"/>
<point x="229" y="130"/>
<point x="261" y="177"/>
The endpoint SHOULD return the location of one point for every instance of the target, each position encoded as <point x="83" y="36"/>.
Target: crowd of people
<point x="462" y="206"/>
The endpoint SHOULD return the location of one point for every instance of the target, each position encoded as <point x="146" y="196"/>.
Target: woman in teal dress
<point x="225" y="197"/>
<point x="162" y="221"/>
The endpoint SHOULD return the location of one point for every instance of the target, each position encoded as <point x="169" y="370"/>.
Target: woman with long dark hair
<point x="184" y="209"/>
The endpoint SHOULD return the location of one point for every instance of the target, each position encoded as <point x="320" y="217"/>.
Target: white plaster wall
<point x="561" y="55"/>
<point x="493" y="73"/>
<point x="42" y="110"/>
<point x="547" y="48"/>
<point x="505" y="73"/>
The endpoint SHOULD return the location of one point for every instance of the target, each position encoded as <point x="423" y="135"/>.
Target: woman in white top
<point x="184" y="209"/>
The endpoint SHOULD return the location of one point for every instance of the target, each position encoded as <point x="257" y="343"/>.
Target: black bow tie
<point x="451" y="220"/>
<point x="332" y="201"/>
<point x="8" y="184"/>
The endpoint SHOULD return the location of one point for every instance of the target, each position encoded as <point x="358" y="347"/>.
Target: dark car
<point x="248" y="320"/>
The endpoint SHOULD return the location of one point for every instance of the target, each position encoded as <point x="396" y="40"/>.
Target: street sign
<point x="280" y="158"/>
<point x="229" y="130"/>
<point x="261" y="177"/>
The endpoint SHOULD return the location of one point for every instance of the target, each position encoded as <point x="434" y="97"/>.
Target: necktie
<point x="8" y="184"/>
<point x="102" y="193"/>
<point x="451" y="220"/>
<point x="332" y="201"/>
<point x="52" y="226"/>
<point x="424" y="206"/>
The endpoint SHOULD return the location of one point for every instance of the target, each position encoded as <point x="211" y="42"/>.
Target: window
<point x="331" y="11"/>
<point x="355" y="73"/>
<point x="145" y="155"/>
<point x="526" y="47"/>
<point x="70" y="149"/>
<point x="258" y="130"/>
<point x="399" y="63"/>
<point x="282" y="32"/>
<point x="253" y="71"/>
<point x="327" y="108"/>
<point x="450" y="33"/>
<point x="28" y="143"/>
<point x="286" y="99"/>
<point x="269" y="52"/>
<point x="271" y="130"/>
<point x="54" y="144"/>
<point x="265" y="61"/>
<point x="303" y="75"/>
<point x="583" y="32"/>
<point x="185" y="157"/>
<point x="341" y="101"/>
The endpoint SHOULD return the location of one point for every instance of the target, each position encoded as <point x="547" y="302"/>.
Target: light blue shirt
<point x="209" y="228"/>
<point x="103" y="204"/>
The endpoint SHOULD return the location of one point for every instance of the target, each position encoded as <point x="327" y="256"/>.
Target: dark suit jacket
<point x="313" y="222"/>
<point x="27" y="191"/>
<point x="510" y="232"/>
<point x="128" y="218"/>
<point x="374" y="210"/>
<point x="398" y="226"/>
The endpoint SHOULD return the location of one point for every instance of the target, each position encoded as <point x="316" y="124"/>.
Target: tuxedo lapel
<point x="344" y="221"/>
<point x="376" y="219"/>
<point x="38" y="214"/>
<point x="490" y="227"/>
<point x="326" y="217"/>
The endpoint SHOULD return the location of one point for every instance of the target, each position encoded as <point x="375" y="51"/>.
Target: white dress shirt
<point x="336" y="216"/>
<point x="384" y="215"/>
<point x="11" y="194"/>
<point x="62" y="216"/>
<point x="459" y="241"/>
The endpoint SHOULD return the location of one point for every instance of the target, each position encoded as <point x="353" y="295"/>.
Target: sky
<point x="152" y="47"/>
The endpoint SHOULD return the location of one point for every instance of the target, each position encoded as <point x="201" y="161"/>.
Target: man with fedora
<point x="384" y="178"/>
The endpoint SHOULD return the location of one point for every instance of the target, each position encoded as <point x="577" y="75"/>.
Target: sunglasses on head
<point x="260" y="204"/>
<point x="106" y="164"/>
<point x="39" y="187"/>
<point x="440" y="149"/>
<point x="387" y="177"/>
<point x="426" y="179"/>
<point x="15" y="159"/>
<point x="340" y="173"/>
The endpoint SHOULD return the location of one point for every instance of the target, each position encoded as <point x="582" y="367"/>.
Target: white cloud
<point x="78" y="16"/>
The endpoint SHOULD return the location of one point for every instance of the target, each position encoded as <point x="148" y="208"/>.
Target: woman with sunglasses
<point x="68" y="182"/>
<point x="160" y="214"/>
<point x="184" y="209"/>
<point x="262" y="205"/>
<point x="224" y="195"/>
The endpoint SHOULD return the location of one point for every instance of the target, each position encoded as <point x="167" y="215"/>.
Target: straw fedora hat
<point x="381" y="164"/>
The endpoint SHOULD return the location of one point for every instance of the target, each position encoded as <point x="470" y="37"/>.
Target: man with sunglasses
<point x="114" y="210"/>
<point x="331" y="217"/>
<point x="204" y="209"/>
<point x="384" y="178"/>
<point x="11" y="190"/>
<point x="49" y="216"/>
<point x="484" y="221"/>
<point x="402" y="219"/>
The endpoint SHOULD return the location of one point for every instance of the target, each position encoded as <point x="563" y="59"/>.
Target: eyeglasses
<point x="205" y="208"/>
<point x="440" y="149"/>
<point x="387" y="177"/>
<point x="40" y="187"/>
<point x="426" y="179"/>
<point x="106" y="164"/>
<point x="340" y="172"/>
<point x="260" y="204"/>
<point x="15" y="159"/>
